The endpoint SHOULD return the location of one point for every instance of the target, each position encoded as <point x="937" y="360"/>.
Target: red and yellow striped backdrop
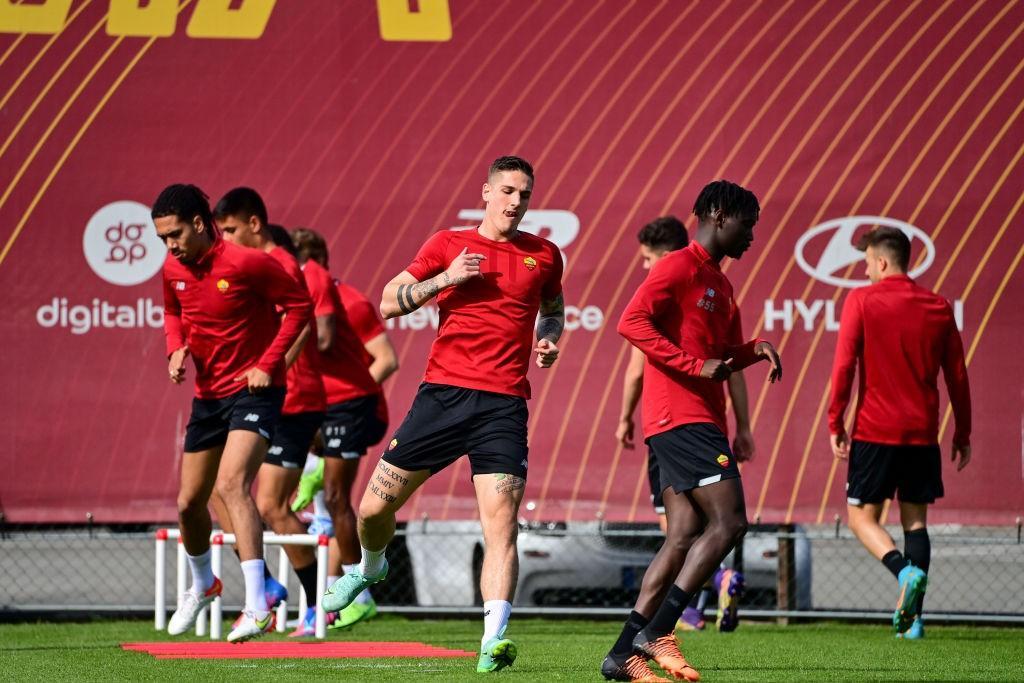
<point x="374" y="122"/>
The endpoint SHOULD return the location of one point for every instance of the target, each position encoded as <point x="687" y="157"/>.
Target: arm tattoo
<point x="407" y="295"/>
<point x="552" y="319"/>
<point x="400" y="295"/>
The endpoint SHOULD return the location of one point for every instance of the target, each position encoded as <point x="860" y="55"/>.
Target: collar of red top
<point x="894" y="279"/>
<point x="205" y="260"/>
<point x="702" y="254"/>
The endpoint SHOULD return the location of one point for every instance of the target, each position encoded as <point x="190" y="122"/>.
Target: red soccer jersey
<point x="486" y="325"/>
<point x="682" y="315"/>
<point x="343" y="370"/>
<point x="305" y="393"/>
<point x="366" y="323"/>
<point x="900" y="334"/>
<point x="224" y="308"/>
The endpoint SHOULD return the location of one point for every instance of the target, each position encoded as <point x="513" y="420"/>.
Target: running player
<point x="900" y="335"/>
<point x="353" y="421"/>
<point x="222" y="306"/>
<point x="381" y="362"/>
<point x="659" y="237"/>
<point x="683" y="317"/>
<point x="241" y="216"/>
<point x="490" y="284"/>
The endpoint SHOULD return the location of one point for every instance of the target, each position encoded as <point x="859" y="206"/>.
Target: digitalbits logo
<point x="121" y="244"/>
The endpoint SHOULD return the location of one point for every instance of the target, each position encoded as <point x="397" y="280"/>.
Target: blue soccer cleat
<point x="915" y="632"/>
<point x="913" y="582"/>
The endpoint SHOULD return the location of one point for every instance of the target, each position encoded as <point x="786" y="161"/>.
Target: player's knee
<point x="738" y="529"/>
<point x="336" y="498"/>
<point x="189" y="506"/>
<point x="270" y="510"/>
<point x="230" y="489"/>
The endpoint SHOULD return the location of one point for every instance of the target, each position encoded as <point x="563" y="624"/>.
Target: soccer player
<point x="222" y="306"/>
<point x="381" y="362"/>
<point x="683" y="317"/>
<point x="490" y="284"/>
<point x="241" y="216"/>
<point x="659" y="237"/>
<point x="900" y="335"/>
<point x="353" y="423"/>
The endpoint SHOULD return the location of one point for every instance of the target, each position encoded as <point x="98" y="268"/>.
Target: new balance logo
<point x="334" y="443"/>
<point x="252" y="417"/>
<point x="523" y="463"/>
<point x="276" y="450"/>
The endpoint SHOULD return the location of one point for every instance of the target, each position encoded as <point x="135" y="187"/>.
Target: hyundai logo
<point x="840" y="251"/>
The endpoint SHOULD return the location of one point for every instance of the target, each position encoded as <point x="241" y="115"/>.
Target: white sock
<point x="363" y="597"/>
<point x="373" y="562"/>
<point x="255" y="593"/>
<point x="496" y="614"/>
<point x="202" y="571"/>
<point x="331" y="579"/>
<point x="312" y="462"/>
<point x="320" y="505"/>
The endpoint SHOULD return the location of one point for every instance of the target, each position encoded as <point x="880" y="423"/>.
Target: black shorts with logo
<point x="351" y="427"/>
<point x="213" y="418"/>
<point x="654" y="480"/>
<point x="447" y="422"/>
<point x="293" y="438"/>
<point x="693" y="455"/>
<point x="878" y="471"/>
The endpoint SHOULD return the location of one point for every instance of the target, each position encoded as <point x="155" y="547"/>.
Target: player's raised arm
<point x="405" y="293"/>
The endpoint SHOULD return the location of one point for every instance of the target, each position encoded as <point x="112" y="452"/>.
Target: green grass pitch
<point x="549" y="650"/>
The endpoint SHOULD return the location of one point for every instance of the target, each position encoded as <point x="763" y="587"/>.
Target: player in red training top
<point x="685" y="320"/>
<point x="658" y="238"/>
<point x="353" y="423"/>
<point x="490" y="284"/>
<point x="900" y="334"/>
<point x="222" y="306"/>
<point x="379" y="357"/>
<point x="241" y="216"/>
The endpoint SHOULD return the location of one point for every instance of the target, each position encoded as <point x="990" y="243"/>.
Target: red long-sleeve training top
<point x="900" y="334"/>
<point x="682" y="315"/>
<point x="223" y="308"/>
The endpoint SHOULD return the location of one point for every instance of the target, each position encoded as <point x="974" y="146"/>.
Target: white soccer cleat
<point x="250" y="626"/>
<point x="192" y="603"/>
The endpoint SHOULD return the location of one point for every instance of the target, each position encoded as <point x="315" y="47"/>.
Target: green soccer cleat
<point x="344" y="591"/>
<point x="496" y="654"/>
<point x="353" y="614"/>
<point x="913" y="582"/>
<point x="309" y="485"/>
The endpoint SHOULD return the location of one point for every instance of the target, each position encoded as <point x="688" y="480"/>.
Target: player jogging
<point x="490" y="284"/>
<point x="900" y="335"/>
<point x="222" y="306"/>
<point x="657" y="238"/>
<point x="241" y="216"/>
<point x="683" y="317"/>
<point x="379" y="357"/>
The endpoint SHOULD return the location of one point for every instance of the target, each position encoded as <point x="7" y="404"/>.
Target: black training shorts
<point x="351" y="427"/>
<point x="446" y="422"/>
<point x="878" y="471"/>
<point x="213" y="418"/>
<point x="292" y="439"/>
<point x="693" y="455"/>
<point x="654" y="480"/>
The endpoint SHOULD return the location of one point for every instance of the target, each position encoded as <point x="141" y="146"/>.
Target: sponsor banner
<point x="374" y="123"/>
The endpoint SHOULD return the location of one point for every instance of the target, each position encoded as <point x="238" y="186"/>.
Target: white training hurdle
<point x="217" y="541"/>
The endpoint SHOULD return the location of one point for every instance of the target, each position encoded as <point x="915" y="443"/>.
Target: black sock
<point x="917" y="548"/>
<point x="307" y="577"/>
<point x="894" y="562"/>
<point x="695" y="600"/>
<point x="664" y="620"/>
<point x="623" y="647"/>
